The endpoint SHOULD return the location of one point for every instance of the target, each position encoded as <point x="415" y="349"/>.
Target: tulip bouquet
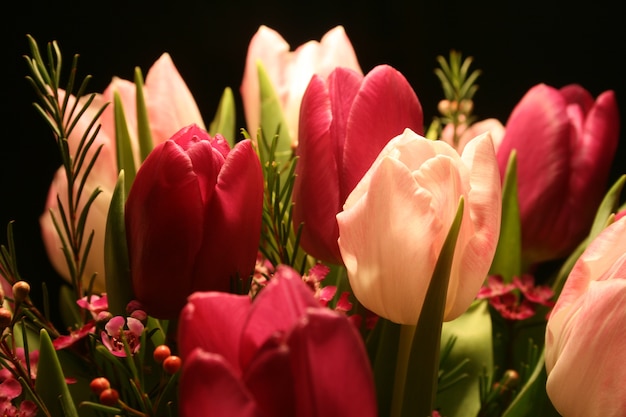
<point x="336" y="257"/>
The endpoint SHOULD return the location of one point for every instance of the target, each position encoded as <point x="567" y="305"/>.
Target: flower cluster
<point x="337" y="257"/>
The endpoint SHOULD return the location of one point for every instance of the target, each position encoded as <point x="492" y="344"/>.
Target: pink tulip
<point x="291" y="71"/>
<point x="170" y="106"/>
<point x="193" y="219"/>
<point x="345" y="122"/>
<point x="466" y="133"/>
<point x="565" y="143"/>
<point x="393" y="225"/>
<point x="585" y="335"/>
<point x="282" y="354"/>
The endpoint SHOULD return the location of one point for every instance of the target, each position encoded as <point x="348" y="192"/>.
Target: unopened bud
<point x="21" y="290"/>
<point x="466" y="106"/>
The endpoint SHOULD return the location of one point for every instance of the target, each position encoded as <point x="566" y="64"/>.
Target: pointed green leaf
<point x="117" y="267"/>
<point x="50" y="383"/>
<point x="423" y="366"/>
<point x="225" y="116"/>
<point x="143" y="123"/>
<point x="125" y="158"/>
<point x="608" y="206"/>
<point x="272" y="118"/>
<point x="472" y="340"/>
<point x="507" y="261"/>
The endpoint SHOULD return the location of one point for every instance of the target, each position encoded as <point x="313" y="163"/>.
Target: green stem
<point x="402" y="362"/>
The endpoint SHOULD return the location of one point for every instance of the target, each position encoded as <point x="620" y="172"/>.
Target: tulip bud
<point x="193" y="219"/>
<point x="394" y="224"/>
<point x="585" y="338"/>
<point x="565" y="142"/>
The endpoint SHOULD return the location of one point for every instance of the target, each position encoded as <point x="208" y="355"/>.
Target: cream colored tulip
<point x="394" y="224"/>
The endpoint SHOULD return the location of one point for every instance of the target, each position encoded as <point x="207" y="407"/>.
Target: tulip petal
<point x="276" y="309"/>
<point x="391" y="279"/>
<point x="480" y="231"/>
<point x="269" y="378"/>
<point x="386" y="104"/>
<point x="588" y="376"/>
<point x="169" y="101"/>
<point x="317" y="170"/>
<point x="320" y="344"/>
<point x="539" y="131"/>
<point x="221" y="317"/>
<point x="154" y="215"/>
<point x="234" y="216"/>
<point x="209" y="386"/>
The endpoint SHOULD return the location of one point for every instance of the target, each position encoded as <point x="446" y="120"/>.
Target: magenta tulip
<point x="585" y="335"/>
<point x="193" y="219"/>
<point x="170" y="107"/>
<point x="280" y="355"/>
<point x="393" y="225"/>
<point x="290" y="71"/>
<point x="345" y="122"/>
<point x="565" y="143"/>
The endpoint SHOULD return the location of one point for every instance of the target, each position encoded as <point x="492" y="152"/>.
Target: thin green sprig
<point x="63" y="116"/>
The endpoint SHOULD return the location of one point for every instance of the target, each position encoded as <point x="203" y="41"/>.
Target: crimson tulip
<point x="585" y="335"/>
<point x="290" y="71"/>
<point x="170" y="107"/>
<point x="193" y="219"/>
<point x="281" y="354"/>
<point x="394" y="224"/>
<point x="345" y="121"/>
<point x="565" y="142"/>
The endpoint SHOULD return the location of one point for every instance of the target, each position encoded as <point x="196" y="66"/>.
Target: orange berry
<point x="172" y="364"/>
<point x="161" y="353"/>
<point x="98" y="385"/>
<point x="109" y="396"/>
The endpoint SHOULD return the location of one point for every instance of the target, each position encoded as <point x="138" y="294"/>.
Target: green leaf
<point x="472" y="340"/>
<point x="507" y="261"/>
<point x="382" y="349"/>
<point x="225" y="116"/>
<point x="117" y="265"/>
<point x="50" y="383"/>
<point x="125" y="157"/>
<point x="419" y="392"/>
<point x="272" y="119"/>
<point x="608" y="206"/>
<point x="143" y="123"/>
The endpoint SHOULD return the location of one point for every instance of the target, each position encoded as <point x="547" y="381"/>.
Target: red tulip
<point x="565" y="143"/>
<point x="345" y="122"/>
<point x="193" y="219"/>
<point x="282" y="354"/>
<point x="585" y="335"/>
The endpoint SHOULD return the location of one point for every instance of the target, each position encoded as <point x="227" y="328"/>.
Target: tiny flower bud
<point x="172" y="364"/>
<point x="466" y="106"/>
<point x="109" y="396"/>
<point x="99" y="385"/>
<point x="5" y="318"/>
<point x="161" y="353"/>
<point x="140" y="315"/>
<point x="21" y="289"/>
<point x="444" y="107"/>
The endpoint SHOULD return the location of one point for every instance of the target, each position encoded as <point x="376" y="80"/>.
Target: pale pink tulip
<point x="395" y="221"/>
<point x="291" y="71"/>
<point x="585" y="336"/>
<point x="466" y="133"/>
<point x="170" y="106"/>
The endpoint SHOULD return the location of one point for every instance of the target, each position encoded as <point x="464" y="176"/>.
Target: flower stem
<point x="402" y="363"/>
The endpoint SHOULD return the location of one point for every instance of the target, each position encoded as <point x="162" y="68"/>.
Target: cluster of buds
<point x="21" y="291"/>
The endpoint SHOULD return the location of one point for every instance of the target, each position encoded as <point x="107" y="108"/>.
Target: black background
<point x="516" y="45"/>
